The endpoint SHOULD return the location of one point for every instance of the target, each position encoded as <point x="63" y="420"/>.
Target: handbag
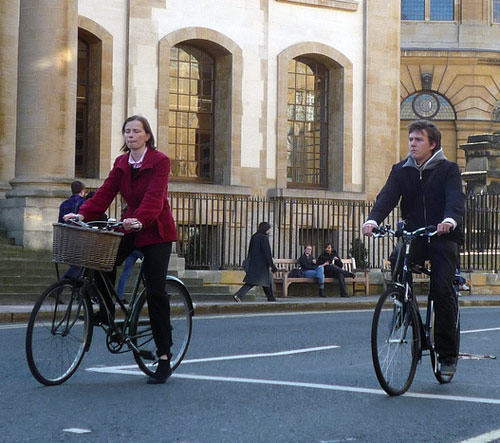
<point x="296" y="273"/>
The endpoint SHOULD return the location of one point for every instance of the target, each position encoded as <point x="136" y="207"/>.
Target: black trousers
<point x="155" y="267"/>
<point x="444" y="255"/>
<point x="246" y="287"/>
<point x="338" y="273"/>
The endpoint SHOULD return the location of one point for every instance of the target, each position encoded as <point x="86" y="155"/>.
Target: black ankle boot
<point x="322" y="293"/>
<point x="163" y="371"/>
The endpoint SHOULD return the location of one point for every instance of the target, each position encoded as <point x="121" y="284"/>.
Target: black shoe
<point x="236" y="298"/>
<point x="271" y="299"/>
<point x="163" y="372"/>
<point x="447" y="366"/>
<point x="322" y="293"/>
<point x="346" y="295"/>
<point x="348" y="274"/>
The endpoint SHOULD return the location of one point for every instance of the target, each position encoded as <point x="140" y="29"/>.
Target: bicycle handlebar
<point x="425" y="231"/>
<point x="109" y="225"/>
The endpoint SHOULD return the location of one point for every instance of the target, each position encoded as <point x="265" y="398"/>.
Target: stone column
<point x="46" y="114"/>
<point x="9" y="19"/>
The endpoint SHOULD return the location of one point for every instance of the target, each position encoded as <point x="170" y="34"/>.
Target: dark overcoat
<point x="259" y="261"/>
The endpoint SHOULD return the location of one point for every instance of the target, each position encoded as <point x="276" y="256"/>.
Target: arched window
<point x="307" y="137"/>
<point x="88" y="105"/>
<point x="191" y="113"/>
<point x="427" y="105"/>
<point x="433" y="10"/>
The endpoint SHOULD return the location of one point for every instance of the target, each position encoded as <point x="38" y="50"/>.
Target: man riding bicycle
<point x="429" y="188"/>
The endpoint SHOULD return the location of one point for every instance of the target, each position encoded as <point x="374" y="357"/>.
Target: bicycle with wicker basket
<point x="61" y="324"/>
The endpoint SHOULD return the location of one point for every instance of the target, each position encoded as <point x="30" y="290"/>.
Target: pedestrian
<point x="71" y="205"/>
<point x="334" y="268"/>
<point x="127" y="270"/>
<point x="430" y="189"/>
<point x="311" y="269"/>
<point x="141" y="176"/>
<point x="259" y="261"/>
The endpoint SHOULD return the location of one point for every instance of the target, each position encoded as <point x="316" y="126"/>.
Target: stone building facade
<point x="249" y="97"/>
<point x="450" y="68"/>
<point x="277" y="98"/>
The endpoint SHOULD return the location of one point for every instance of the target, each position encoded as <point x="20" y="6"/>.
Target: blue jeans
<point x="318" y="274"/>
<point x="129" y="265"/>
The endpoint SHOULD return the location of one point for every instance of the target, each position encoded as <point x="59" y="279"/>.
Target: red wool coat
<point x="145" y="194"/>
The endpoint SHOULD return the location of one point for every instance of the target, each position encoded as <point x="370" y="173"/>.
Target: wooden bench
<point x="418" y="279"/>
<point x="285" y="265"/>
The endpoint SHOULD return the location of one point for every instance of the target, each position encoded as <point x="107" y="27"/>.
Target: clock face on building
<point x="425" y="105"/>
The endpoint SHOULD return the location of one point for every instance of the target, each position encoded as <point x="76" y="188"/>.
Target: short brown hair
<point x="433" y="132"/>
<point x="77" y="186"/>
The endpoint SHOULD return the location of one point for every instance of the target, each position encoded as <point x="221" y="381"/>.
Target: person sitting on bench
<point x="311" y="269"/>
<point x="333" y="268"/>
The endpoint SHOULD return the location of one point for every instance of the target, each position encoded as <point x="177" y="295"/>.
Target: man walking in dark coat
<point x="430" y="190"/>
<point x="259" y="261"/>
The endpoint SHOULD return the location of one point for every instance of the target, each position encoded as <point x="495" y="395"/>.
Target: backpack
<point x="296" y="273"/>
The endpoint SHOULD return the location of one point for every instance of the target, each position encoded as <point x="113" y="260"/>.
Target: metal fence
<point x="214" y="230"/>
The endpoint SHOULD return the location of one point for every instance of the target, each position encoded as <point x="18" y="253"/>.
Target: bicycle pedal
<point x="147" y="355"/>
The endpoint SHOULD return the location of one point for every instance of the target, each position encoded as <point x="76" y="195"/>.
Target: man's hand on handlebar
<point x="444" y="228"/>
<point x="132" y="224"/>
<point x="367" y="229"/>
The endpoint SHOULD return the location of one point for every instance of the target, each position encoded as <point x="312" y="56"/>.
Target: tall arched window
<point x="496" y="11"/>
<point x="191" y="113"/>
<point x="307" y="138"/>
<point x="88" y="105"/>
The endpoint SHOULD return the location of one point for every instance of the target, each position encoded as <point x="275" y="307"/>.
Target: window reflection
<point x="191" y="112"/>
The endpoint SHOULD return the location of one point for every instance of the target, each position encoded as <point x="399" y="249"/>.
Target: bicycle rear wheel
<point x="395" y="342"/>
<point x="181" y="314"/>
<point x="59" y="332"/>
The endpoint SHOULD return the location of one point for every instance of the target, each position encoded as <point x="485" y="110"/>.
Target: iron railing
<point x="214" y="230"/>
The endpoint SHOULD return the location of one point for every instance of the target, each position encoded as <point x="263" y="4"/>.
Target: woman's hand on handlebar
<point x="444" y="228"/>
<point x="71" y="216"/>
<point x="132" y="224"/>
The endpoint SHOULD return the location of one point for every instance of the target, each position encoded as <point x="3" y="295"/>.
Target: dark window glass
<point x="413" y="10"/>
<point x="191" y="112"/>
<point x="307" y="139"/>
<point x="496" y="11"/>
<point x="442" y="10"/>
<point x="82" y="105"/>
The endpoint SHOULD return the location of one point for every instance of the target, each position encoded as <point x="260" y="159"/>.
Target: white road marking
<point x="77" y="430"/>
<point x="132" y="370"/>
<point x="472" y="331"/>
<point x="485" y="438"/>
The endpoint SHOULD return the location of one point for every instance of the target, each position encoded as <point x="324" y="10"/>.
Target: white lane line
<point x="485" y="438"/>
<point x="77" y="430"/>
<point x="270" y="354"/>
<point x="472" y="331"/>
<point x="135" y="371"/>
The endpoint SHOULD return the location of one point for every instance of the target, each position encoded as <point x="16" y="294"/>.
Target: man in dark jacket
<point x="429" y="188"/>
<point x="259" y="261"/>
<point x="333" y="268"/>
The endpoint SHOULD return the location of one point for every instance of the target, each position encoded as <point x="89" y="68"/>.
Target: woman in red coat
<point x="141" y="177"/>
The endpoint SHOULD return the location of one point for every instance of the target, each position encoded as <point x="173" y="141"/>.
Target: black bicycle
<point x="61" y="324"/>
<point x="399" y="337"/>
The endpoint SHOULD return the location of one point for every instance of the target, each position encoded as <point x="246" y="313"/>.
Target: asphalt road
<point x="234" y="388"/>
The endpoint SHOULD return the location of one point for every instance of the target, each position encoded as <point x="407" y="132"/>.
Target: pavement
<point x="20" y="312"/>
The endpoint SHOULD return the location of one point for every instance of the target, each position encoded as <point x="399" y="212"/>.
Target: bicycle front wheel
<point x="181" y="317"/>
<point x="395" y="342"/>
<point x="59" y="332"/>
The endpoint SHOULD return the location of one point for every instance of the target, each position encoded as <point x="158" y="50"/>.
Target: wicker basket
<point x="89" y="248"/>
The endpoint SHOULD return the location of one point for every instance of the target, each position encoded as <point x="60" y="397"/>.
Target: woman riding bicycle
<point x="430" y="188"/>
<point x="141" y="177"/>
